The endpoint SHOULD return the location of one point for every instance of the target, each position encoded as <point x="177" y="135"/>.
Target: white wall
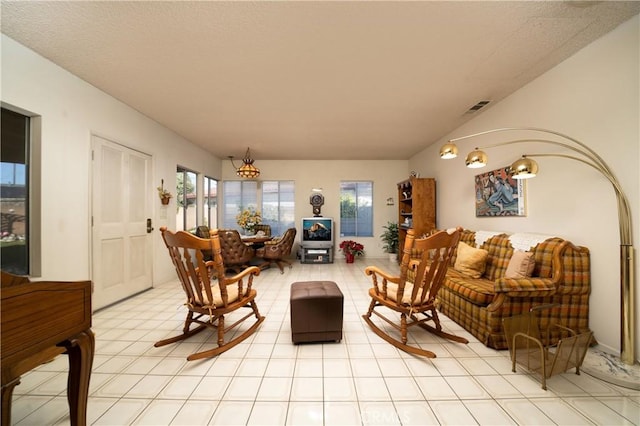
<point x="309" y="174"/>
<point x="593" y="97"/>
<point x="71" y="111"/>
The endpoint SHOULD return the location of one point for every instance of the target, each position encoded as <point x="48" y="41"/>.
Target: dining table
<point x="255" y="239"/>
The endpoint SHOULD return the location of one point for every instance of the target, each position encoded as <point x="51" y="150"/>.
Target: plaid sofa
<point x="561" y="276"/>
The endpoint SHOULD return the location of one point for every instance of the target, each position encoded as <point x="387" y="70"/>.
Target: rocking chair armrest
<point x="374" y="270"/>
<point x="251" y="270"/>
<point x="526" y="287"/>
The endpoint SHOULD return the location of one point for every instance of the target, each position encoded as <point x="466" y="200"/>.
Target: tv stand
<point x="317" y="255"/>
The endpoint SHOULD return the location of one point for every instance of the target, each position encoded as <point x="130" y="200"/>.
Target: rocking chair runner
<point x="415" y="302"/>
<point x="208" y="301"/>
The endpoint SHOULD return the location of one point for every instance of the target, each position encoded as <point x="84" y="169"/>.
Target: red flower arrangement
<point x="351" y="247"/>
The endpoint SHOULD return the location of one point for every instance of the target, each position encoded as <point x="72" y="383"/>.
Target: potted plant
<point x="164" y="195"/>
<point x="390" y="239"/>
<point x="351" y="249"/>
<point x="248" y="218"/>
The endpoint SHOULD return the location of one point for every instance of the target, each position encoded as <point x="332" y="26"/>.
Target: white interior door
<point x="121" y="205"/>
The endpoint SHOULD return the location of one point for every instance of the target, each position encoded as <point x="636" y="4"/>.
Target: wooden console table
<point x="41" y="320"/>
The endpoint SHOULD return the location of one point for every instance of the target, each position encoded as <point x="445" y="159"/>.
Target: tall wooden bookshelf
<point x="416" y="207"/>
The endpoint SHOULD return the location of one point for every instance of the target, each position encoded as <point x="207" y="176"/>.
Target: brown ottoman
<point x="316" y="311"/>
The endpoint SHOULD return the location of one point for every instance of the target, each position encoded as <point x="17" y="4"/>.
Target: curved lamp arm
<point x="624" y="211"/>
<point x="592" y="154"/>
<point x="627" y="279"/>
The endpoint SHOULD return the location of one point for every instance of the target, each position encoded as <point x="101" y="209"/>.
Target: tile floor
<point x="269" y="381"/>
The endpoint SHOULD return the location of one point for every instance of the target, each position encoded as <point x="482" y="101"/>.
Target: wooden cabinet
<point x="416" y="207"/>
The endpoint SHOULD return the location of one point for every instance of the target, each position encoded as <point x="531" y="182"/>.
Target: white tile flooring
<point x="269" y="381"/>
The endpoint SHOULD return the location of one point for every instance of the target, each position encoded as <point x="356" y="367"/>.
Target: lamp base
<point x="611" y="369"/>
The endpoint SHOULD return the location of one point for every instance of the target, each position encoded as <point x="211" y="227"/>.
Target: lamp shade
<point x="476" y="159"/>
<point x="247" y="170"/>
<point x="524" y="168"/>
<point x="448" y="151"/>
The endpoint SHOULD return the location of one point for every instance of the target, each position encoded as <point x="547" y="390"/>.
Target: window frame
<point x="209" y="211"/>
<point x="33" y="195"/>
<point x="244" y="201"/>
<point x="354" y="193"/>
<point x="280" y="225"/>
<point x="182" y="199"/>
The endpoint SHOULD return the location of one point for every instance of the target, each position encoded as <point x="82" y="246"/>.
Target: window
<point x="210" y="211"/>
<point x="186" y="197"/>
<point x="275" y="201"/>
<point x="278" y="205"/>
<point x="237" y="195"/>
<point x="356" y="209"/>
<point x="14" y="192"/>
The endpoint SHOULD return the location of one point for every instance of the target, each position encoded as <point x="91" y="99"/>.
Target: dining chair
<point x="235" y="252"/>
<point x="278" y="250"/>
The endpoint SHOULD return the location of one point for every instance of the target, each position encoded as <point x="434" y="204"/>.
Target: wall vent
<point x="477" y="107"/>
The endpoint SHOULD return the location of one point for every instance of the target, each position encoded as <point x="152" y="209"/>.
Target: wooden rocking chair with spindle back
<point x="210" y="299"/>
<point x="414" y="301"/>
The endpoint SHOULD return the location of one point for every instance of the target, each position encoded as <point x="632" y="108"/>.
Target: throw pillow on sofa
<point x="521" y="265"/>
<point x="470" y="260"/>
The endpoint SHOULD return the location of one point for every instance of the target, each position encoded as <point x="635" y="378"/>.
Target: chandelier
<point x="247" y="170"/>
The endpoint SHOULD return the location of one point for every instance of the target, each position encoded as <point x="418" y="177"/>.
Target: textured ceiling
<point x="310" y="80"/>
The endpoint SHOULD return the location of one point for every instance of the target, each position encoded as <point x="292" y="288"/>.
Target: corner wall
<point x="593" y="97"/>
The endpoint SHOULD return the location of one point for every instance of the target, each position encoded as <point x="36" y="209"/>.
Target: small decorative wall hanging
<point x="498" y="194"/>
<point x="165" y="196"/>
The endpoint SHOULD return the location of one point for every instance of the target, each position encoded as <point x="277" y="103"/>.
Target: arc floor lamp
<point x="526" y="167"/>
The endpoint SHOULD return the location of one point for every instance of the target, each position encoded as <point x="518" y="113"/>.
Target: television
<point x="317" y="232"/>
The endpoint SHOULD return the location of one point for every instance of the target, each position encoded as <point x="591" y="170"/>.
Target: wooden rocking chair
<point x="210" y="299"/>
<point x="414" y="301"/>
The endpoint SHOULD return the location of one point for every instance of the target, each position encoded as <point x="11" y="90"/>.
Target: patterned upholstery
<point x="561" y="276"/>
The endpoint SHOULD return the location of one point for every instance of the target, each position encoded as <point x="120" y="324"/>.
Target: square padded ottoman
<point x="316" y="311"/>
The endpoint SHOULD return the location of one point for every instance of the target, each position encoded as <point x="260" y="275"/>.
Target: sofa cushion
<point x="477" y="291"/>
<point x="500" y="252"/>
<point x="470" y="260"/>
<point x="520" y="265"/>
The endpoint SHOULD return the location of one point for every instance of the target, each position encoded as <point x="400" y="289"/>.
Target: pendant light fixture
<point x="247" y="170"/>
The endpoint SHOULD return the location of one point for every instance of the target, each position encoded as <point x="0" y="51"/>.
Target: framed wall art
<point x="498" y="194"/>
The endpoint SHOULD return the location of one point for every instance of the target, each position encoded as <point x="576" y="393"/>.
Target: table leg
<point x="7" y="393"/>
<point x="80" y="349"/>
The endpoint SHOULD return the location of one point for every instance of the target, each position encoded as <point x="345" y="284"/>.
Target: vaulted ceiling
<point x="310" y="79"/>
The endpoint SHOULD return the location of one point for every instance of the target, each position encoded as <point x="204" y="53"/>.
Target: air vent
<point x="477" y="107"/>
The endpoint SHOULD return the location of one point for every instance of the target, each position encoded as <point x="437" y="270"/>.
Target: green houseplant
<point x="390" y="239"/>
